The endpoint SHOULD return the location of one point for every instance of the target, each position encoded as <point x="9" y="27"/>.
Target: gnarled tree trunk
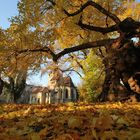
<point x="122" y="64"/>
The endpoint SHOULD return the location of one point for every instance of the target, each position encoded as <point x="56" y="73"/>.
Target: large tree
<point x="60" y="27"/>
<point x="14" y="68"/>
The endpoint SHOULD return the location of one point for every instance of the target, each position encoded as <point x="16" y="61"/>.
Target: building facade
<point x="60" y="90"/>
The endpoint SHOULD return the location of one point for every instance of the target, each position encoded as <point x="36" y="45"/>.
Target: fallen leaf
<point x="74" y="122"/>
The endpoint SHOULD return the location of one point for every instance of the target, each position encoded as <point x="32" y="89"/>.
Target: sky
<point x="8" y="8"/>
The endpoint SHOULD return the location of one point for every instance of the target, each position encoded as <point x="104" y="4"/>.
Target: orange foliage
<point x="72" y="121"/>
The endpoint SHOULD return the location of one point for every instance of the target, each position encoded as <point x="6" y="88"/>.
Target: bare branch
<point x="72" y="70"/>
<point x="75" y="59"/>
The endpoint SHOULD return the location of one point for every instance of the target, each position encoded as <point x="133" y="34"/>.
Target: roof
<point x="56" y="78"/>
<point x="37" y="89"/>
<point x="67" y="81"/>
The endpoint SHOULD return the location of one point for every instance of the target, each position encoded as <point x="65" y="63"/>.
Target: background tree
<point x="93" y="71"/>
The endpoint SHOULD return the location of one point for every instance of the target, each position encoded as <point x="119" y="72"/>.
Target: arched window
<point x="66" y="95"/>
<point x="38" y="100"/>
<point x="72" y="94"/>
<point x="60" y="94"/>
<point x="34" y="99"/>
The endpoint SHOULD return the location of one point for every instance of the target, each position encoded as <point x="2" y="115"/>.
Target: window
<point x="66" y="95"/>
<point x="38" y="100"/>
<point x="72" y="94"/>
<point x="47" y="95"/>
<point x="32" y="98"/>
<point x="60" y="95"/>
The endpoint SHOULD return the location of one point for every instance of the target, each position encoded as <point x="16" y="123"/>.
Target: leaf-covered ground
<point x="80" y="121"/>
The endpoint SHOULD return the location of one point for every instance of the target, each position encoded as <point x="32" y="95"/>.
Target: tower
<point x="55" y="78"/>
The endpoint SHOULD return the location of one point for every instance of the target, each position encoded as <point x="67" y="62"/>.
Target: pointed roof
<point x="67" y="81"/>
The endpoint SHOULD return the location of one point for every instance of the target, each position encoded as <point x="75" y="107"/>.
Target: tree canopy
<point x="47" y="30"/>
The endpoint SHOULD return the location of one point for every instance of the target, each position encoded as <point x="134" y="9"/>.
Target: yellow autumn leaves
<point x="72" y="121"/>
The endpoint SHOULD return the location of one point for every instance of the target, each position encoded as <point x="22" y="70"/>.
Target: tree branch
<point x="88" y="45"/>
<point x="75" y="59"/>
<point x="47" y="50"/>
<point x="98" y="29"/>
<point x="72" y="70"/>
<point x="98" y="7"/>
<point x="55" y="57"/>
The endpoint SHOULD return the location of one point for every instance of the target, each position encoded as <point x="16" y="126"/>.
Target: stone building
<point x="38" y="95"/>
<point x="65" y="92"/>
<point x="60" y="90"/>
